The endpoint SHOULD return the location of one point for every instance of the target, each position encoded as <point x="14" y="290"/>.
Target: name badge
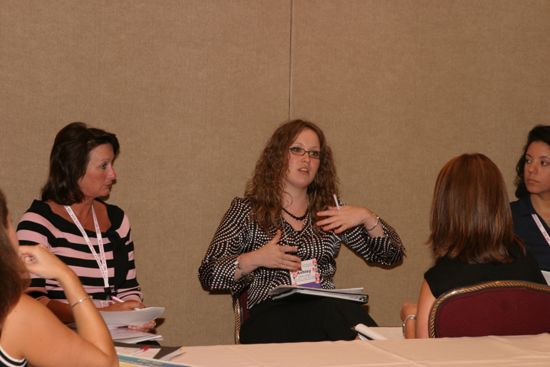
<point x="308" y="276"/>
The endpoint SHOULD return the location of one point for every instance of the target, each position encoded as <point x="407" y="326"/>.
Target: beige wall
<point x="194" y="88"/>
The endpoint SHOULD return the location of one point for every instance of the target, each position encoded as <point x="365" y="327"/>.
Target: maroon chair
<point x="241" y="312"/>
<point x="492" y="308"/>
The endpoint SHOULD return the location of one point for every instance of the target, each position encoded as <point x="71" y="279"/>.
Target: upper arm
<point x="425" y="303"/>
<point x="36" y="334"/>
<point x="227" y="240"/>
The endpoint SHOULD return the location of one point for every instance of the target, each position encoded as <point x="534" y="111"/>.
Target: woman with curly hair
<point x="287" y="230"/>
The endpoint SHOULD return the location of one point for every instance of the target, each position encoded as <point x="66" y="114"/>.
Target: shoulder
<point x="116" y="214"/>
<point x="443" y="272"/>
<point x="37" y="208"/>
<point x="26" y="314"/>
<point x="238" y="213"/>
<point x="39" y="219"/>
<point x="521" y="207"/>
<point x="240" y="206"/>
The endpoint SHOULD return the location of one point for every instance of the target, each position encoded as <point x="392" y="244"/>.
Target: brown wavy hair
<point x="265" y="188"/>
<point x="12" y="272"/>
<point x="471" y="218"/>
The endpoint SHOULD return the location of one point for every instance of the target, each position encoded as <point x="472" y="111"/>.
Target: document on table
<point x="148" y="351"/>
<point x="139" y="316"/>
<point x="131" y="361"/>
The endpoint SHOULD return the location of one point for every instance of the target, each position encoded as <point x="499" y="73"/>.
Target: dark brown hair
<point x="471" y="217"/>
<point x="12" y="281"/>
<point x="69" y="158"/>
<point x="538" y="133"/>
<point x="265" y="189"/>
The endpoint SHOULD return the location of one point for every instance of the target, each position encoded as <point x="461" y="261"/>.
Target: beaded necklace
<point x="296" y="217"/>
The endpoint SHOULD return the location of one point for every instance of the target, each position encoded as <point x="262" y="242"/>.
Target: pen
<point x="114" y="298"/>
<point x="338" y="208"/>
<point x="142" y="349"/>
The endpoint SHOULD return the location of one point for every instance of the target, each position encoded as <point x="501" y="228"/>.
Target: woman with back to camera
<point x="29" y="332"/>
<point x="72" y="220"/>
<point x="531" y="212"/>
<point x="288" y="218"/>
<point x="472" y="237"/>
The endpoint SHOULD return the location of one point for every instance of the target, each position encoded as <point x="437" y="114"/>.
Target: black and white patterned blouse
<point x="238" y="233"/>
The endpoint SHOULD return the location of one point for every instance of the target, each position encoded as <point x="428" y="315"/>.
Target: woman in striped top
<point x="92" y="237"/>
<point x="28" y="331"/>
<point x="289" y="216"/>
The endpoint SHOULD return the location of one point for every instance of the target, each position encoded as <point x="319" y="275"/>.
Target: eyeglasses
<point x="314" y="154"/>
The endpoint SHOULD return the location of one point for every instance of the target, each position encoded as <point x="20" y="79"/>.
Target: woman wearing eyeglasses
<point x="289" y="221"/>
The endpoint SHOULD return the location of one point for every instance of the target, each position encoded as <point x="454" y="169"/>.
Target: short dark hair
<point x="13" y="280"/>
<point x="471" y="216"/>
<point x="538" y="133"/>
<point x="69" y="158"/>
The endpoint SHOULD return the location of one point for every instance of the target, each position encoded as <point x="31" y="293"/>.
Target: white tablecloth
<point x="483" y="351"/>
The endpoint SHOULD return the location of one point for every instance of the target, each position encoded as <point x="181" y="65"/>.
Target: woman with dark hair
<point x="28" y="331"/>
<point x="75" y="223"/>
<point x="288" y="221"/>
<point x="531" y="212"/>
<point x="472" y="237"/>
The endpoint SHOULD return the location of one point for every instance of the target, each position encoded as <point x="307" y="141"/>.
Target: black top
<point x="527" y="230"/>
<point x="449" y="274"/>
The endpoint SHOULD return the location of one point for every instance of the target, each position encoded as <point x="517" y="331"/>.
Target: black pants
<point x="302" y="318"/>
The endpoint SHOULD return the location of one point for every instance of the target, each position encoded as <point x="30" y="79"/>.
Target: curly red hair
<point x="265" y="188"/>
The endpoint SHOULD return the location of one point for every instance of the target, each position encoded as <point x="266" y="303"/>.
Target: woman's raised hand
<point x="345" y="217"/>
<point x="40" y="261"/>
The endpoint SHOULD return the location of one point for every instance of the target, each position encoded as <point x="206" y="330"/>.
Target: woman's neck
<point x="295" y="203"/>
<point x="541" y="203"/>
<point x="83" y="210"/>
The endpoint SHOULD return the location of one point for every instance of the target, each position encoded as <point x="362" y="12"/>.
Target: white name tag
<point x="308" y="276"/>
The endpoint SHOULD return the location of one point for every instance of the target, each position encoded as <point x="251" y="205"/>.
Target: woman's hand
<point x="271" y="255"/>
<point x="345" y="217"/>
<point x="131" y="305"/>
<point x="40" y="261"/>
<point x="123" y="306"/>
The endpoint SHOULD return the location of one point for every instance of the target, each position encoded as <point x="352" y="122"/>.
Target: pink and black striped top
<point x="40" y="224"/>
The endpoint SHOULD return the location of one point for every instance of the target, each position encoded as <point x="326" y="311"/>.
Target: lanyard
<point x="541" y="228"/>
<point x="100" y="259"/>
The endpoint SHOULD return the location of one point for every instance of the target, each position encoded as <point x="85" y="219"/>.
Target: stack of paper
<point x="125" y="335"/>
<point x="148" y="351"/>
<point x="118" y="322"/>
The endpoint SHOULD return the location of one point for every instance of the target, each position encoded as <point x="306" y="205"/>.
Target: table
<point x="531" y="350"/>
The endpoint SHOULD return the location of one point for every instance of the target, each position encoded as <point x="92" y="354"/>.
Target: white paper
<point x="138" y="316"/>
<point x="125" y="335"/>
<point x="368" y="332"/>
<point x="139" y="352"/>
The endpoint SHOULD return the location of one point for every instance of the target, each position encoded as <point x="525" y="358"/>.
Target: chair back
<point x="241" y="313"/>
<point x="492" y="308"/>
